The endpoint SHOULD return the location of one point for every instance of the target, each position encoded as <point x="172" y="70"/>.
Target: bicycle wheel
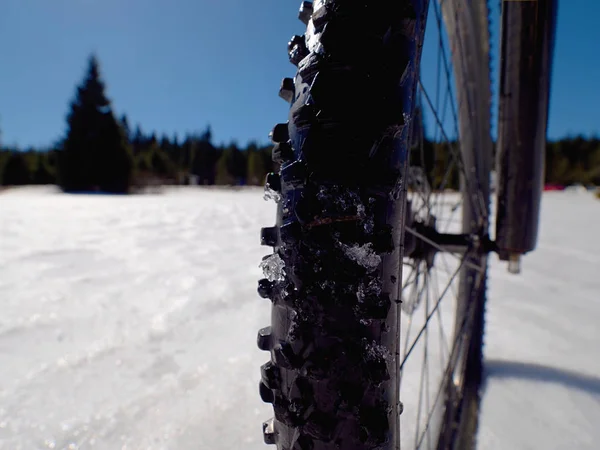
<point x="341" y="312"/>
<point x="447" y="259"/>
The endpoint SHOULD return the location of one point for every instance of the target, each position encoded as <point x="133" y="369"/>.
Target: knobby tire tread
<point x="339" y="232"/>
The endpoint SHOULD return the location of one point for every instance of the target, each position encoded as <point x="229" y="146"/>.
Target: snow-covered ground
<point x="130" y="323"/>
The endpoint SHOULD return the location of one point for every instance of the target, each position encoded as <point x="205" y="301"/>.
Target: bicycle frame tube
<point x="526" y="60"/>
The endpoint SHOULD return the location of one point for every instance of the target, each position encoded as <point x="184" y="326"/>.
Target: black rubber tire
<point x="335" y="275"/>
<point x="332" y="377"/>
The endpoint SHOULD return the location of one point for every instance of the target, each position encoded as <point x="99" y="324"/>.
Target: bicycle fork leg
<point x="525" y="70"/>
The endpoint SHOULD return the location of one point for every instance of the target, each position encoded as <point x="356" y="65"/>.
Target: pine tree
<point x="256" y="168"/>
<point x="95" y="155"/>
<point x="42" y="173"/>
<point x="137" y="140"/>
<point x="16" y="171"/>
<point x="238" y="164"/>
<point x="223" y="175"/>
<point x="125" y="124"/>
<point x="204" y="159"/>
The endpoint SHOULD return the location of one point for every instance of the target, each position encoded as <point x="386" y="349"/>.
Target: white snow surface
<point x="130" y="323"/>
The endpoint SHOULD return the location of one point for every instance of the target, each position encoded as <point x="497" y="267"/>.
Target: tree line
<point x="568" y="161"/>
<point x="101" y="153"/>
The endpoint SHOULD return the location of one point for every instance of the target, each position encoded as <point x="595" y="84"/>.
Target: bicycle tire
<point x="335" y="273"/>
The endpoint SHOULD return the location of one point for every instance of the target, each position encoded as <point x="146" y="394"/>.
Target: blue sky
<point x="175" y="66"/>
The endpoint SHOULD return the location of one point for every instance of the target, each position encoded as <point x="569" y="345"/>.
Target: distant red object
<point x="554" y="187"/>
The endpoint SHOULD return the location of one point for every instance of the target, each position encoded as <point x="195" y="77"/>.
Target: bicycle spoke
<point x="454" y="151"/>
<point x="410" y="279"/>
<point x="422" y="152"/>
<point x="427" y="362"/>
<point x="440" y="248"/>
<point x="450" y="367"/>
<point x="445" y="261"/>
<point x="444" y="181"/>
<point x="416" y="291"/>
<point x="452" y="212"/>
<point x="438" y="68"/>
<point x="421" y="331"/>
<point x="447" y="64"/>
<point x="448" y="94"/>
<point x="421" y="383"/>
<point x="443" y="341"/>
<point x="413" y="291"/>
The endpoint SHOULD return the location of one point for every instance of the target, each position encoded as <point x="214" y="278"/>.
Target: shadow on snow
<point x="541" y="373"/>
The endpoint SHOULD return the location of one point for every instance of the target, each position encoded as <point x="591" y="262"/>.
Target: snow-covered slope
<point x="130" y="323"/>
<point x="542" y="346"/>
